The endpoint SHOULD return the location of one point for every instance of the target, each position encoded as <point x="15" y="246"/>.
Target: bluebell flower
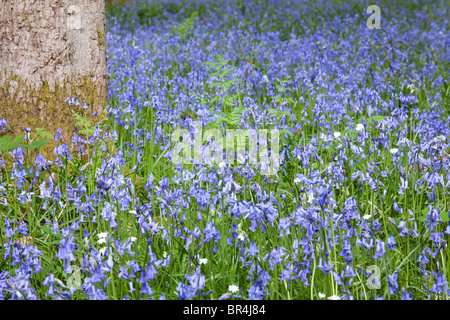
<point x="441" y="284"/>
<point x="211" y="232"/>
<point x="284" y="226"/>
<point x="324" y="266"/>
<point x="393" y="282"/>
<point x="391" y="242"/>
<point x="48" y="282"/>
<point x="255" y="292"/>
<point x="63" y="150"/>
<point x="380" y="249"/>
<point x="406" y="295"/>
<point x="147" y="290"/>
<point x="57" y="135"/>
<point x="3" y="124"/>
<point x="66" y="249"/>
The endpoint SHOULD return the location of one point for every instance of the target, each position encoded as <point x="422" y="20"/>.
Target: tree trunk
<point x="50" y="50"/>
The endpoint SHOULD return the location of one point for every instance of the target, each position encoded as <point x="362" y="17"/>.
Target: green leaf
<point x="40" y="143"/>
<point x="444" y="216"/>
<point x="43" y="134"/>
<point x="19" y="139"/>
<point x="424" y="214"/>
<point x="36" y="144"/>
<point x="48" y="230"/>
<point x="87" y="131"/>
<point x="284" y="131"/>
<point x="378" y="118"/>
<point x="7" y="144"/>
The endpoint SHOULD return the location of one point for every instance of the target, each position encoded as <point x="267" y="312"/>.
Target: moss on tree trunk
<point x="50" y="50"/>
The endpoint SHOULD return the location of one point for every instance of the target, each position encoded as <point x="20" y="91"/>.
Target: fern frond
<point x="184" y="28"/>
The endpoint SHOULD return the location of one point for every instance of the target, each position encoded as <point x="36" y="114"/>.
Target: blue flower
<point x="211" y="232"/>
<point x="324" y="266"/>
<point x="392" y="281"/>
<point x="380" y="249"/>
<point x="62" y="150"/>
<point x="391" y="242"/>
<point x="3" y="123"/>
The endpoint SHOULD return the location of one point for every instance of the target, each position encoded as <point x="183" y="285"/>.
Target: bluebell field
<point x="359" y="208"/>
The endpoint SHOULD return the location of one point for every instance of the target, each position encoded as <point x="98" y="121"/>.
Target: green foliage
<point x="330" y="161"/>
<point x="232" y="119"/>
<point x="282" y="97"/>
<point x="228" y="100"/>
<point x="36" y="145"/>
<point x="220" y="71"/>
<point x="8" y="144"/>
<point x="82" y="122"/>
<point x="376" y="118"/>
<point x="44" y="134"/>
<point x="183" y="28"/>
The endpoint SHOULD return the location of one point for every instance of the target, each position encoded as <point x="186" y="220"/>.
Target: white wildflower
<point x="203" y="261"/>
<point x="359" y="127"/>
<point x="337" y="134"/>
<point x="102" y="234"/>
<point x="233" y="288"/>
<point x="321" y="295"/>
<point x="334" y="297"/>
<point x="394" y="150"/>
<point x="102" y="237"/>
<point x="310" y="197"/>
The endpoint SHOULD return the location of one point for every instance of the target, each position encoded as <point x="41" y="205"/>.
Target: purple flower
<point x="63" y="150"/>
<point x="146" y="289"/>
<point x="66" y="249"/>
<point x="3" y="123"/>
<point x="255" y="292"/>
<point x="284" y="225"/>
<point x="253" y="250"/>
<point x="196" y="282"/>
<point x="211" y="232"/>
<point x="48" y="282"/>
<point x="58" y="135"/>
<point x="380" y="249"/>
<point x="324" y="266"/>
<point x="406" y="295"/>
<point x="436" y="237"/>
<point x="391" y="242"/>
<point x="392" y="281"/>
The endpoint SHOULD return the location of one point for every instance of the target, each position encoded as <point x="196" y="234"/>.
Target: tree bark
<point x="50" y="50"/>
